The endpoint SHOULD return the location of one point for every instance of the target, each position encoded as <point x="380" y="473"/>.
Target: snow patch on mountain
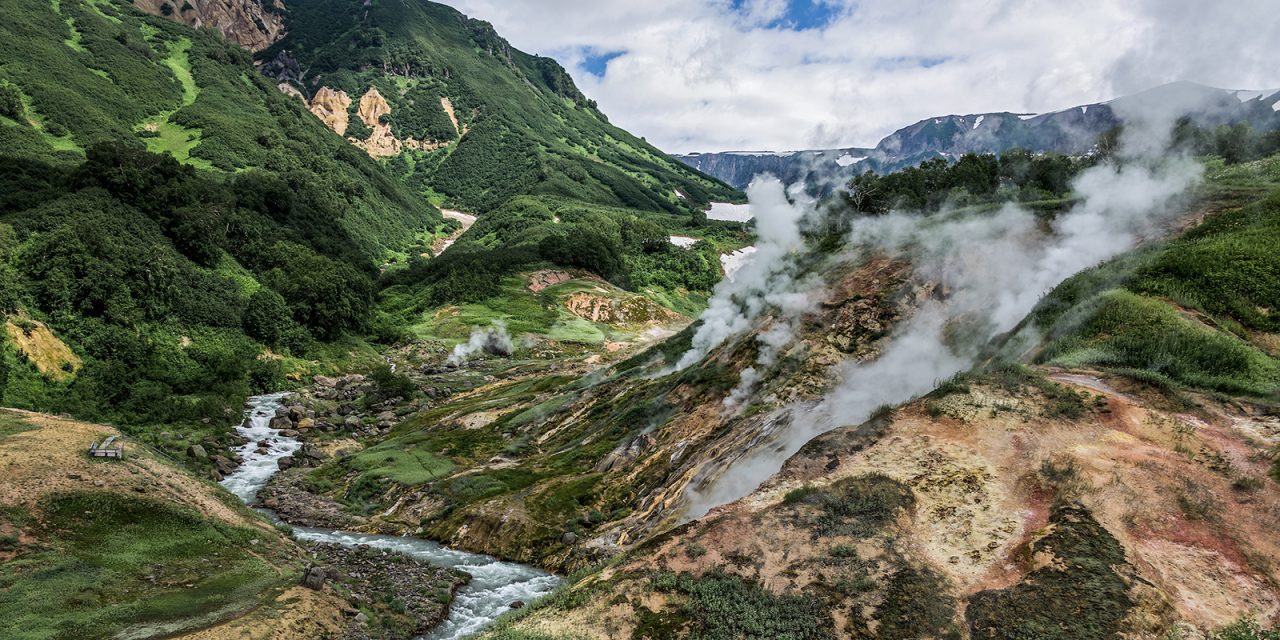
<point x="730" y="212"/>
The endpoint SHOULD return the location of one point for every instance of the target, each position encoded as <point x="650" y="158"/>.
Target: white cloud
<point x="698" y="75"/>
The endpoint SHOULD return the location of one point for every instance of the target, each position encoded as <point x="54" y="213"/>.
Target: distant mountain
<point x="1072" y="131"/>
<point x="737" y="168"/>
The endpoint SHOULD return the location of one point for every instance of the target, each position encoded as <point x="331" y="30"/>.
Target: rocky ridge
<point x="252" y="24"/>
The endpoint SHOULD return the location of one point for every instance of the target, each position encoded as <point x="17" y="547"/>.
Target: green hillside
<point x="170" y="216"/>
<point x="176" y="232"/>
<point x="528" y="129"/>
<point x="1197" y="311"/>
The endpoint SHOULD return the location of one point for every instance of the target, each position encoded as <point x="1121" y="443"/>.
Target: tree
<point x="1233" y="143"/>
<point x="326" y="296"/>
<point x="268" y="317"/>
<point x="587" y="248"/>
<point x="866" y="194"/>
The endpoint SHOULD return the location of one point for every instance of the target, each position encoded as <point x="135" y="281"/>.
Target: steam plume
<point x="493" y="340"/>
<point x="995" y="268"/>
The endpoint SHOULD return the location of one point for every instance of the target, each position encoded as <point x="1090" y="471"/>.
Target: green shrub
<point x="860" y="506"/>
<point x="389" y="384"/>
<point x="722" y="606"/>
<point x="267" y="317"/>
<point x="1081" y="597"/>
<point x="799" y="494"/>
<point x="1246" y="628"/>
<point x="1126" y="330"/>
<point x="11" y="104"/>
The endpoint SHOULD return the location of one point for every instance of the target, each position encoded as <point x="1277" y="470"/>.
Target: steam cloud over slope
<point x="766" y="281"/>
<point x="995" y="268"/>
<point x="493" y="340"/>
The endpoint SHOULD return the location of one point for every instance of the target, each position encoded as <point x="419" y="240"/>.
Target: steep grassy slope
<point x="174" y="222"/>
<point x="522" y="127"/>
<point x="1197" y="311"/>
<point x="133" y="547"/>
<point x="87" y="73"/>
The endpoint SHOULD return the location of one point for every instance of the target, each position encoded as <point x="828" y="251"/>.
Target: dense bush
<point x="267" y="317"/>
<point x="934" y="182"/>
<point x="11" y="103"/>
<point x="1233" y="143"/>
<point x="421" y="116"/>
<point x="722" y="606"/>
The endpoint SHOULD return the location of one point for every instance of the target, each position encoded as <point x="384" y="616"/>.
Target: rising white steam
<point x="493" y="340"/>
<point x="993" y="268"/>
<point x="766" y="281"/>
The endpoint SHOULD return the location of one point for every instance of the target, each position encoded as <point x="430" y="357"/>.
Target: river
<point x="494" y="585"/>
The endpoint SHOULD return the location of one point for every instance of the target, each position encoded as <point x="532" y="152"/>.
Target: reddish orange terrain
<point x="1031" y="504"/>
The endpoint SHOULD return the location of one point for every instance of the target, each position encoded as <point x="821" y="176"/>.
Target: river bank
<point x="417" y="581"/>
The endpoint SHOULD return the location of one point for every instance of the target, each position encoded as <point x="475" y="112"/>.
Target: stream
<point x="494" y="586"/>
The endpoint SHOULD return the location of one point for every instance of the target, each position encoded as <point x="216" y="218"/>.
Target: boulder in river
<point x="224" y="465"/>
<point x="285" y="463"/>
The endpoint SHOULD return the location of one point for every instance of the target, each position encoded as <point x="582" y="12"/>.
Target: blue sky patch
<point x="596" y="62"/>
<point x="801" y="15"/>
<point x="907" y="62"/>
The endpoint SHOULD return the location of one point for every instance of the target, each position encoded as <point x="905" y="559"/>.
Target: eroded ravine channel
<point x="494" y="585"/>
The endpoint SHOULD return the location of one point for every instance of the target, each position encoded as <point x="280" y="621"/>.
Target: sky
<point x="718" y="75"/>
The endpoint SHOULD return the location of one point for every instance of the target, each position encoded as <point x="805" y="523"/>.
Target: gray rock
<point x="196" y="451"/>
<point x="324" y="381"/>
<point x="352" y="422"/>
<point x="285" y="463"/>
<point x="569" y="537"/>
<point x="281" y="422"/>
<point x="224" y="465"/>
<point x="314" y="578"/>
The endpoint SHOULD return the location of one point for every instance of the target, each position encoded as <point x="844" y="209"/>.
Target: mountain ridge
<point x="1070" y="131"/>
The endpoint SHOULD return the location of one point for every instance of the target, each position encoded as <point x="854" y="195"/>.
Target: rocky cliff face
<point x="738" y="168"/>
<point x="333" y="106"/>
<point x="328" y="105"/>
<point x="252" y="24"/>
